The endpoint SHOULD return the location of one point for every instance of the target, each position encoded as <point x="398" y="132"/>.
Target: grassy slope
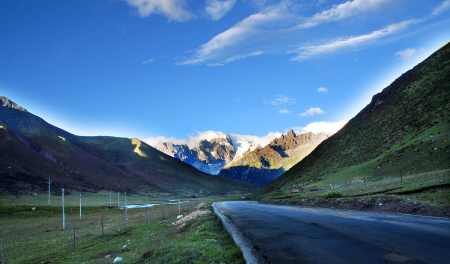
<point x="33" y="150"/>
<point x="404" y="129"/>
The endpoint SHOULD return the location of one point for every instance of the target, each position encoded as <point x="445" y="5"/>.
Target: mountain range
<point x="404" y="130"/>
<point x="262" y="165"/>
<point x="33" y="151"/>
<point x="244" y="160"/>
<point x="207" y="156"/>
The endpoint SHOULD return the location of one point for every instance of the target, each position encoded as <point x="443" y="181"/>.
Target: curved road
<point x="288" y="234"/>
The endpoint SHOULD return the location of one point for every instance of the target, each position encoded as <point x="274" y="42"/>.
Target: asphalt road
<point x="288" y="234"/>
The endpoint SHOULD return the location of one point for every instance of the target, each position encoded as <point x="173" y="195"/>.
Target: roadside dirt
<point x="391" y="204"/>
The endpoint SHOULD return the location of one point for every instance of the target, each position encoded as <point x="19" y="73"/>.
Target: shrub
<point x="333" y="194"/>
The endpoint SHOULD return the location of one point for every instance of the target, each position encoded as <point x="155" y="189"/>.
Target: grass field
<point x="37" y="236"/>
<point x="414" y="186"/>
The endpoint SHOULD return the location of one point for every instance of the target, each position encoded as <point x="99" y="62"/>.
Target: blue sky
<point x="157" y="69"/>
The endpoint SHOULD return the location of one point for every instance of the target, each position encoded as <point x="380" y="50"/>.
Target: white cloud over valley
<point x="147" y="61"/>
<point x="317" y="127"/>
<point x="281" y="99"/>
<point x="322" y="90"/>
<point x="313" y="111"/>
<point x="208" y="135"/>
<point x="407" y="53"/>
<point x="192" y="142"/>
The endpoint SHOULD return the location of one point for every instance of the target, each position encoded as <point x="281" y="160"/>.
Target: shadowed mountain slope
<point x="32" y="151"/>
<point x="405" y="129"/>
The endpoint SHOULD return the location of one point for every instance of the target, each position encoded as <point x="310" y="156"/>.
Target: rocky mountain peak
<point x="290" y="134"/>
<point x="8" y="103"/>
<point x="229" y="139"/>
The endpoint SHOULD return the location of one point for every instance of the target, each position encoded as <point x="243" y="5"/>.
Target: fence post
<point x="80" y="205"/>
<point x="126" y="217"/>
<point x="3" y="254"/>
<point x="401" y="176"/>
<point x="146" y="205"/>
<point x="162" y="211"/>
<point x="49" y="182"/>
<point x="110" y="198"/>
<point x="73" y="236"/>
<point x="64" y="215"/>
<point x="118" y="199"/>
<point x="103" y="231"/>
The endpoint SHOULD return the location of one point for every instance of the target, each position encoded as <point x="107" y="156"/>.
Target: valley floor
<point x="36" y="236"/>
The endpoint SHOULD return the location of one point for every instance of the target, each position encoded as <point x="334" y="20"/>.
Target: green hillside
<point x="32" y="151"/>
<point x="404" y="130"/>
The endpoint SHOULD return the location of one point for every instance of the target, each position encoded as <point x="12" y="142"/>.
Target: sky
<point x="182" y="70"/>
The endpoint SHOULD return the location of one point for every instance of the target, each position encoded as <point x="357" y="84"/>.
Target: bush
<point x="333" y="194"/>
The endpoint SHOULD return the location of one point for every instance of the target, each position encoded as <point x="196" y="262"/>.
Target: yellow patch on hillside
<point x="138" y="144"/>
<point x="62" y="138"/>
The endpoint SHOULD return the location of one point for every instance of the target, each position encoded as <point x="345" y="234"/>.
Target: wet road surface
<point x="288" y="234"/>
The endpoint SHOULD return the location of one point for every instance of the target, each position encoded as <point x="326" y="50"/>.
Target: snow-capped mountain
<point x="209" y="156"/>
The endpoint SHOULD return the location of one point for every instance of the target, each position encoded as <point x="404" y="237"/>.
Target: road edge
<point x="237" y="236"/>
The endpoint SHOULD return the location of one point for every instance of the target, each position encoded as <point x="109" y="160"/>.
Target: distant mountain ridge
<point x="246" y="161"/>
<point x="209" y="156"/>
<point x="32" y="151"/>
<point x="262" y="165"/>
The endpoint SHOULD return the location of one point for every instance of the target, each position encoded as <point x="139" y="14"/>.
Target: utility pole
<point x="118" y="199"/>
<point x="49" y="182"/>
<point x="125" y="200"/>
<point x="179" y="205"/>
<point x="64" y="216"/>
<point x="110" y="205"/>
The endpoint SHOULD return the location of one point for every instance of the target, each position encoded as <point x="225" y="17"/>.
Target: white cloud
<point x="237" y="57"/>
<point x="208" y="135"/>
<point x="407" y="53"/>
<point x="215" y="64"/>
<point x="283" y="111"/>
<point x="242" y="32"/>
<point x="317" y="127"/>
<point x="153" y="141"/>
<point x="193" y="139"/>
<point x="280" y="21"/>
<point x="216" y="9"/>
<point x="262" y="141"/>
<point x="322" y="90"/>
<point x="313" y="111"/>
<point x="172" y="9"/>
<point x="342" y="11"/>
<point x="147" y="61"/>
<point x="443" y="7"/>
<point x="309" y="51"/>
<point x="281" y="99"/>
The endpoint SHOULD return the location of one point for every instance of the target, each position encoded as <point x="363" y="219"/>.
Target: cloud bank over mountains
<point x="192" y="142"/>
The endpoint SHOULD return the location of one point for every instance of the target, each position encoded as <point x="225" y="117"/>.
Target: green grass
<point x="37" y="236"/>
<point x="333" y="194"/>
<point x="367" y="185"/>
